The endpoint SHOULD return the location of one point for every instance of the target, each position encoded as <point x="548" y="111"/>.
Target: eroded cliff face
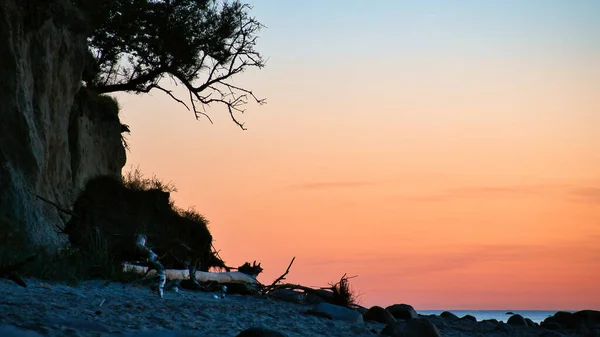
<point x="53" y="137"/>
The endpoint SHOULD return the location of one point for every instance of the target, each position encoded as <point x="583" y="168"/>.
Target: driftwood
<point x="201" y="276"/>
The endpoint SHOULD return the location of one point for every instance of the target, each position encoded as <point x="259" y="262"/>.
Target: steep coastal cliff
<point x="53" y="136"/>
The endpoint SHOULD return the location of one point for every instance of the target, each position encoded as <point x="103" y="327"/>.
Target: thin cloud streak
<point x="334" y="184"/>
<point x="587" y="194"/>
<point x="571" y="192"/>
<point x="457" y="258"/>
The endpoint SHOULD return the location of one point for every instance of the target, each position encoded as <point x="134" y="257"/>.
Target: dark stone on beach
<point x="448" y="314"/>
<point x="288" y="295"/>
<point x="504" y="327"/>
<point x="517" y="320"/>
<point x="319" y="296"/>
<point x="379" y="314"/>
<point x="260" y="332"/>
<point x="563" y="321"/>
<point x="361" y="310"/>
<point x="490" y="321"/>
<point x="531" y="323"/>
<point x="402" y="311"/>
<point x="568" y="320"/>
<point x="313" y="299"/>
<point x="551" y="324"/>
<point x="469" y="318"/>
<point x="510" y="313"/>
<point x="338" y="312"/>
<point x="416" y="327"/>
<point x="591" y="318"/>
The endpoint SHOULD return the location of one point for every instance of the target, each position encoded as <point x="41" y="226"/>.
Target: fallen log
<point x="201" y="276"/>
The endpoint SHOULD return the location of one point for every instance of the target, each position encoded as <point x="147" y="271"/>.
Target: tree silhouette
<point x="200" y="44"/>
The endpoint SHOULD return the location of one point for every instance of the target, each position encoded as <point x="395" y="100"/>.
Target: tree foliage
<point x="200" y="44"/>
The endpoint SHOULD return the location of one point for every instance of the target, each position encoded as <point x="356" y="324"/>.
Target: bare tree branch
<point x="137" y="46"/>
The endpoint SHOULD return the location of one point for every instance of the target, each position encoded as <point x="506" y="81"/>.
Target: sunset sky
<point x="446" y="152"/>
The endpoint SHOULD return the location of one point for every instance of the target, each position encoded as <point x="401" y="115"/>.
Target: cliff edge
<point x="54" y="136"/>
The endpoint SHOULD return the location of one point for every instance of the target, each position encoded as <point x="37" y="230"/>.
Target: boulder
<point x="336" y="312"/>
<point x="448" y="314"/>
<point x="288" y="295"/>
<point x="416" y="327"/>
<point x="469" y="318"/>
<point x="318" y="296"/>
<point x="590" y="318"/>
<point x="550" y="324"/>
<point x="564" y="320"/>
<point x="505" y="328"/>
<point x="402" y="311"/>
<point x="379" y="314"/>
<point x="517" y="319"/>
<point x="530" y="322"/>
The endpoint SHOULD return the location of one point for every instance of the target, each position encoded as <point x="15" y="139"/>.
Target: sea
<point x="501" y="315"/>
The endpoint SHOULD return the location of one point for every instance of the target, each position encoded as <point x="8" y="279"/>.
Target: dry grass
<point x="343" y="294"/>
<point x="135" y="180"/>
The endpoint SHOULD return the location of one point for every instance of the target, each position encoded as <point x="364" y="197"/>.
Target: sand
<point x="99" y="308"/>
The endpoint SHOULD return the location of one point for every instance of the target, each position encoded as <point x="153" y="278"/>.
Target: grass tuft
<point x="343" y="294"/>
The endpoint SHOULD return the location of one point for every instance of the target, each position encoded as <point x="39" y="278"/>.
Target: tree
<point x="200" y="44"/>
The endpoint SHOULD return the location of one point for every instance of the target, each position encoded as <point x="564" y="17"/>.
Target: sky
<point x="446" y="153"/>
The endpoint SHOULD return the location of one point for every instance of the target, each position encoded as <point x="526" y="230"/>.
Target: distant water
<point x="534" y="315"/>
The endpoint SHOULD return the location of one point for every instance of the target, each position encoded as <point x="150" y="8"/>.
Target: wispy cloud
<point x="588" y="194"/>
<point x="332" y="184"/>
<point x="456" y="258"/>
<point x="571" y="192"/>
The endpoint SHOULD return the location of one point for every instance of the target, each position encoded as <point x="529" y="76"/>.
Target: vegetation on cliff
<point x="200" y="44"/>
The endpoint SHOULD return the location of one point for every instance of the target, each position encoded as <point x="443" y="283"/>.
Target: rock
<point x="469" y="318"/>
<point x="416" y="327"/>
<point x="260" y="332"/>
<point x="50" y="140"/>
<point x="509" y="313"/>
<point x="361" y="310"/>
<point x="448" y="314"/>
<point x="337" y="312"/>
<point x="590" y="318"/>
<point x="516" y="320"/>
<point x="402" y="311"/>
<point x="564" y="320"/>
<point x="379" y="314"/>
<point x="504" y="327"/>
<point x="550" y="324"/>
<point x="319" y="296"/>
<point x="530" y="322"/>
<point x="313" y="299"/>
<point x="288" y="295"/>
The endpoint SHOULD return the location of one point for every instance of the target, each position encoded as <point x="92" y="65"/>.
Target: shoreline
<point x="104" y="308"/>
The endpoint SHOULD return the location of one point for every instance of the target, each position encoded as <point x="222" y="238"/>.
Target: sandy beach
<point x="102" y="308"/>
<point x="99" y="308"/>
